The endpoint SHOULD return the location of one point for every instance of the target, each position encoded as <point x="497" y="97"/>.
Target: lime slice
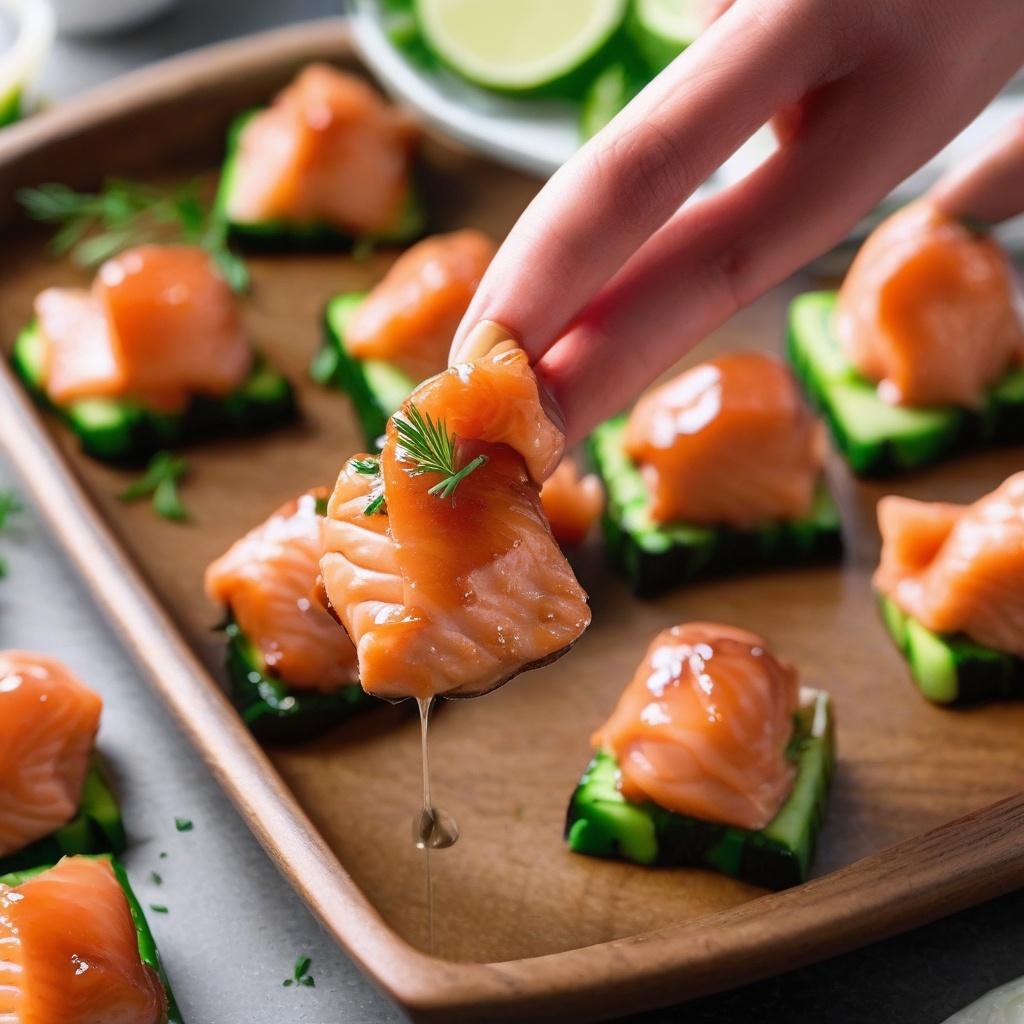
<point x="662" y="29"/>
<point x="518" y="45"/>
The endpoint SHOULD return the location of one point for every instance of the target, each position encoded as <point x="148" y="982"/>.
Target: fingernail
<point x="550" y="405"/>
<point x="482" y="339"/>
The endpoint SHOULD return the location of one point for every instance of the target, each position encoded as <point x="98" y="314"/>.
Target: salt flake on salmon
<point x="453" y="583"/>
<point x="930" y="311"/>
<point x="958" y="568"/>
<point x="329" y="150"/>
<point x="48" y="724"/>
<point x="69" y="951"/>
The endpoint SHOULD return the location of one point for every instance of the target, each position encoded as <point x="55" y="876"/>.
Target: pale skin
<point x="606" y="282"/>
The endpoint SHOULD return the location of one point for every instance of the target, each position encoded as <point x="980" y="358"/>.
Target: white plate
<point x="538" y="136"/>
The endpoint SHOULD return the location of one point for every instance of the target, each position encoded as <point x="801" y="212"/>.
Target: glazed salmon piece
<point x="410" y="318"/>
<point x="268" y="579"/>
<point x="929" y="310"/>
<point x="454" y="596"/>
<point x="159" y="324"/>
<point x="329" y="150"/>
<point x="69" y="951"/>
<point x="571" y="502"/>
<point x="48" y="724"/>
<point x="958" y="568"/>
<point x="729" y="441"/>
<point x="703" y="727"/>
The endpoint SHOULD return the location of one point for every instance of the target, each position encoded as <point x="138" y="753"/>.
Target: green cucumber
<point x="271" y="709"/>
<point x="10" y="107"/>
<point x="96" y="828"/>
<point x="376" y="388"/>
<point x="877" y="438"/>
<point x="148" y="953"/>
<point x="282" y="236"/>
<point x="952" y="668"/>
<point x="610" y="92"/>
<point x="602" y="823"/>
<point x="656" y="557"/>
<point x="122" y="430"/>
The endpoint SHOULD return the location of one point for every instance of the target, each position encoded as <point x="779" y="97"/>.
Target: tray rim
<point x="936" y="873"/>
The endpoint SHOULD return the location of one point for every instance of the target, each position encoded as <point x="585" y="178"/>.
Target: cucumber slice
<point x="283" y="236"/>
<point x="655" y="558"/>
<point x="124" y="431"/>
<point x="518" y="45"/>
<point x="148" y="953"/>
<point x="376" y="388"/>
<point x="662" y="29"/>
<point x="10" y="107"/>
<point x="877" y="438"/>
<point x="609" y="93"/>
<point x="952" y="668"/>
<point x="96" y="828"/>
<point x="274" y="711"/>
<point x="602" y="823"/>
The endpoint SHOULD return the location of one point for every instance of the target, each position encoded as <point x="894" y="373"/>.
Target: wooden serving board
<point x="926" y="815"/>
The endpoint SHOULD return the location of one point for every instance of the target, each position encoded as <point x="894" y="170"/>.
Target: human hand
<point x="606" y="282"/>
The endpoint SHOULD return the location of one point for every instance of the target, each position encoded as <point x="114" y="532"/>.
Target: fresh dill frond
<point x="428" y="444"/>
<point x="94" y="226"/>
<point x="161" y="481"/>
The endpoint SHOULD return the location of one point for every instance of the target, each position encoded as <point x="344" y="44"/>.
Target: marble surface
<point x="234" y="928"/>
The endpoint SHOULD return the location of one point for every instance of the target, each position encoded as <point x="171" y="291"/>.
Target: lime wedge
<point x="662" y="29"/>
<point x="518" y="45"/>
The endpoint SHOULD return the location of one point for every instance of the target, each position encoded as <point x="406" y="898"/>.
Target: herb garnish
<point x="155" y="878"/>
<point x="370" y="466"/>
<point x="10" y="506"/>
<point x="183" y="824"/>
<point x="432" y="448"/>
<point x="161" y="481"/>
<point x="96" y="226"/>
<point x="300" y="974"/>
<point x="159" y="908"/>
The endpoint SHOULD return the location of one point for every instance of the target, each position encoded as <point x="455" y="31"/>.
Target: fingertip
<point x="480" y="340"/>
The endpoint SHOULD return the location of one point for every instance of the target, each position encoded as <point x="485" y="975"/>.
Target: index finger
<point x="600" y="207"/>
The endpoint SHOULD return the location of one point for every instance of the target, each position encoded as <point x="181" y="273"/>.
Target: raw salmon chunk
<point x="329" y="150"/>
<point x="268" y="579"/>
<point x="730" y="442"/>
<point x="69" y="951"/>
<point x="958" y="568"/>
<point x="703" y="727"/>
<point x="48" y="723"/>
<point x="410" y="317"/>
<point x="455" y="595"/>
<point x="571" y="502"/>
<point x="929" y="310"/>
<point x="159" y="324"/>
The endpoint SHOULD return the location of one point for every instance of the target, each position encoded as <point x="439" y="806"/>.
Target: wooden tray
<point x="523" y="927"/>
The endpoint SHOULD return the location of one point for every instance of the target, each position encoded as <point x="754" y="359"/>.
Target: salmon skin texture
<point x="48" y="724"/>
<point x="410" y="317"/>
<point x="728" y="442"/>
<point x="328" y="150"/>
<point x="929" y="310"/>
<point x="453" y="596"/>
<point x="703" y="727"/>
<point x="268" y="579"/>
<point x="958" y="568"/>
<point x="159" y="324"/>
<point x="69" y="951"/>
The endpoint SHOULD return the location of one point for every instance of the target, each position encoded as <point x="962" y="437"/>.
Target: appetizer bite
<point x="379" y="345"/>
<point x="572" y="503"/>
<point x="77" y="949"/>
<point x="951" y="585"/>
<point x="291" y="667"/>
<point x="54" y="799"/>
<point x="438" y="557"/>
<point x="328" y="163"/>
<point x="718" y="470"/>
<point x="151" y="355"/>
<point x="714" y="757"/>
<point x="921" y="350"/>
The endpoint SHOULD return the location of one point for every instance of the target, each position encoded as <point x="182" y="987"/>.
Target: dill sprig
<point x="370" y="466"/>
<point x="429" y="445"/>
<point x="161" y="481"/>
<point x="93" y="227"/>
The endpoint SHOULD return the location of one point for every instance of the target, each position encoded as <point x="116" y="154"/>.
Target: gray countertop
<point x="234" y="928"/>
